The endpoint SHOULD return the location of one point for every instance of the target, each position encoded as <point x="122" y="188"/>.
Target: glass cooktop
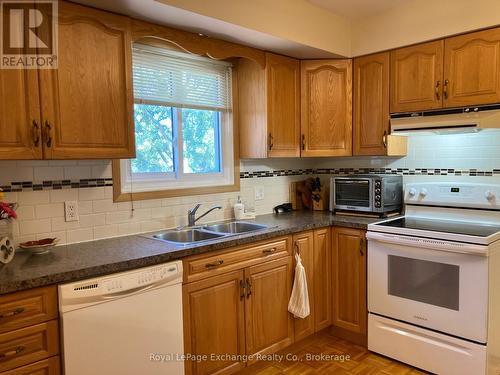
<point x="446" y="226"/>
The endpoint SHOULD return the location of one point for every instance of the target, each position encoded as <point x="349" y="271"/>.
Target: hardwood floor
<point x="360" y="361"/>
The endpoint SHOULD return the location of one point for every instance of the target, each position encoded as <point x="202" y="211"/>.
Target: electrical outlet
<point x="259" y="193"/>
<point x="71" y="211"/>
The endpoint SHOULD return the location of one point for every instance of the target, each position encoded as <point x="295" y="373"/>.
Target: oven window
<point x="352" y="193"/>
<point x="424" y="281"/>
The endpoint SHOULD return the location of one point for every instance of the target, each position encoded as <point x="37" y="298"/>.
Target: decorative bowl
<point x="39" y="246"/>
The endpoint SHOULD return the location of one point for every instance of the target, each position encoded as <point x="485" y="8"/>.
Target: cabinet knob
<point x="438" y="96"/>
<point x="217" y="263"/>
<point x="303" y="142"/>
<point x="445" y="89"/>
<point x="270" y="141"/>
<point x="384" y="139"/>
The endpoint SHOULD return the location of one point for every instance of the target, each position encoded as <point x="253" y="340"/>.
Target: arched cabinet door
<point x="326" y="108"/>
<point x="417" y="77"/>
<point x="472" y="69"/>
<point x="87" y="103"/>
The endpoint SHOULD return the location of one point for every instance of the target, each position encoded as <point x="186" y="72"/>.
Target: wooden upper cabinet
<point x="87" y="103"/>
<point x="19" y="115"/>
<point x="472" y="69"/>
<point x="269" y="325"/>
<point x="349" y="282"/>
<point x="371" y="104"/>
<point x="417" y="77"/>
<point x="214" y="322"/>
<point x="269" y="107"/>
<point x="326" y="107"/>
<point x="283" y="105"/>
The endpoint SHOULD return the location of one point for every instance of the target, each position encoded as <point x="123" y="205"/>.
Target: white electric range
<point x="434" y="280"/>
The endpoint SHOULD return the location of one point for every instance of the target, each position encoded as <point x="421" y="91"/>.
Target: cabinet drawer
<point x="51" y="366"/>
<point x="26" y="308"/>
<point x="28" y="345"/>
<point x="199" y="267"/>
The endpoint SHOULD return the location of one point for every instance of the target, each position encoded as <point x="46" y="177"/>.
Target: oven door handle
<point x="428" y="243"/>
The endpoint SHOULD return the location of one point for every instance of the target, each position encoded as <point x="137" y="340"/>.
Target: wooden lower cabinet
<point x="50" y="366"/>
<point x="214" y="322"/>
<point x="349" y="284"/>
<point x="304" y="244"/>
<point x="239" y="312"/>
<point x="322" y="279"/>
<point x="269" y="325"/>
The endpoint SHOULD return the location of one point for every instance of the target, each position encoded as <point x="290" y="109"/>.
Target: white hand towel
<point x="299" y="300"/>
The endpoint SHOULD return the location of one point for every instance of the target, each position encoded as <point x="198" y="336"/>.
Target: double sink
<point x="208" y="232"/>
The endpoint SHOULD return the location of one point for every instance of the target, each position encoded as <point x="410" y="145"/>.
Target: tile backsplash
<point x="42" y="187"/>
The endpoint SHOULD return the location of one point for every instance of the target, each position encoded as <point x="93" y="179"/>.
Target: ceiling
<point x="163" y="14"/>
<point x="356" y="9"/>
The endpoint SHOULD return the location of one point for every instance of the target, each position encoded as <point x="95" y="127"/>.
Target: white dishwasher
<point x="127" y="323"/>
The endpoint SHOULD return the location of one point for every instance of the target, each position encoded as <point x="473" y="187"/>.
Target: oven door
<point x="352" y="194"/>
<point x="431" y="283"/>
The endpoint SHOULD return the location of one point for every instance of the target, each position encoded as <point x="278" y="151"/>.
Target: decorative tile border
<point x="96" y="182"/>
<point x="347" y="171"/>
<point x="57" y="185"/>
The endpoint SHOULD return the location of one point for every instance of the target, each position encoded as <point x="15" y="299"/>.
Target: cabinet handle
<point x="361" y="247"/>
<point x="384" y="139"/>
<point x="12" y="353"/>
<point x="14" y="312"/>
<point x="217" y="263"/>
<point x="248" y="288"/>
<point x="445" y="89"/>
<point x="438" y="96"/>
<point x="303" y="142"/>
<point x="242" y="290"/>
<point x="270" y="141"/>
<point x="269" y="251"/>
<point x="36" y="134"/>
<point x="48" y="136"/>
<point x="296" y="247"/>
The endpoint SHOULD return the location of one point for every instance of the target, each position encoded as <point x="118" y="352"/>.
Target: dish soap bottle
<point x="239" y="209"/>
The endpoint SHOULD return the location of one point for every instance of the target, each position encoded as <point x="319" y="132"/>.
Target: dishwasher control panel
<point x="140" y="279"/>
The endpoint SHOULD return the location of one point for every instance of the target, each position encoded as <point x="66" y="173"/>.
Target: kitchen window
<point x="183" y="123"/>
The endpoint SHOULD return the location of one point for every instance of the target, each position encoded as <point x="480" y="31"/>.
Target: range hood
<point x="447" y="121"/>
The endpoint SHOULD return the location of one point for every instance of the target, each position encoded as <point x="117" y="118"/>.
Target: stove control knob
<point x="489" y="195"/>
<point x="412" y="192"/>
<point x="423" y="192"/>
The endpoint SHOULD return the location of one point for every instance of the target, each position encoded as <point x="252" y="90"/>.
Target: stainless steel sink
<point x="185" y="236"/>
<point x="234" y="227"/>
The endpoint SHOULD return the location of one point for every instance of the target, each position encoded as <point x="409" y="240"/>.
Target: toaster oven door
<point x="352" y="194"/>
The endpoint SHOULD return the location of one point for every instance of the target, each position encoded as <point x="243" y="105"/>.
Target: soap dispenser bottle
<point x="239" y="209"/>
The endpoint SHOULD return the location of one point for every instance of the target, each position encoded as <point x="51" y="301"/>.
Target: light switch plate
<point x="259" y="193"/>
<point x="71" y="211"/>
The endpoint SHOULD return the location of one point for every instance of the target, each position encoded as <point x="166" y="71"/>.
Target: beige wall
<point x="293" y="20"/>
<point x="421" y="20"/>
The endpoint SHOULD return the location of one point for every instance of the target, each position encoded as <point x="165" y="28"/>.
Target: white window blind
<point x="165" y="77"/>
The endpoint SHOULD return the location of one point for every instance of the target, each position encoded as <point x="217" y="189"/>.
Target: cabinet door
<point x="303" y="243"/>
<point x="349" y="280"/>
<point x="269" y="325"/>
<point x="417" y="77"/>
<point x="472" y="69"/>
<point x="19" y="115"/>
<point x="371" y="104"/>
<point x="322" y="283"/>
<point x="283" y="106"/>
<point x="87" y="103"/>
<point x="214" y="322"/>
<point x="326" y="115"/>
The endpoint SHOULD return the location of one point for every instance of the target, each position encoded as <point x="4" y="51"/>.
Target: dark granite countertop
<point x="89" y="259"/>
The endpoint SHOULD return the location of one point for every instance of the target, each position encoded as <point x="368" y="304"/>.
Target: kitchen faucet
<point x="192" y="219"/>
